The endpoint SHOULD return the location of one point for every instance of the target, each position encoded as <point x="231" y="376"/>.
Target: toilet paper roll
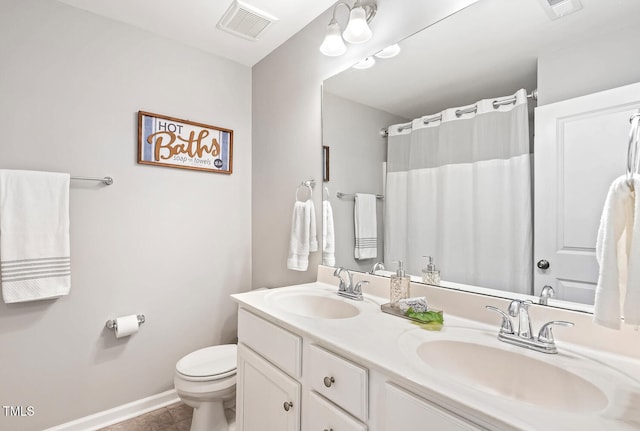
<point x="126" y="325"/>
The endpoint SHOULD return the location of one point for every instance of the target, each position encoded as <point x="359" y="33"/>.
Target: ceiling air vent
<point x="245" y="21"/>
<point x="559" y="8"/>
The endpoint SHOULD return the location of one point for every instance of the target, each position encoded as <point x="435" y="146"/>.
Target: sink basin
<point x="513" y="375"/>
<point x="316" y="306"/>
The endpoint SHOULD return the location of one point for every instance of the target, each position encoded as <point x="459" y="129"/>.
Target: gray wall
<point x="286" y="125"/>
<point x="352" y="131"/>
<point x="599" y="61"/>
<point x="169" y="243"/>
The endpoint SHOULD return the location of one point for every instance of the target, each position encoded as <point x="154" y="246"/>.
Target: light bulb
<point x="333" y="45"/>
<point x="357" y="30"/>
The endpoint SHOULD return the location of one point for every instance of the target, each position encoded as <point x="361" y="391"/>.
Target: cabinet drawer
<point x="340" y="380"/>
<point x="277" y="345"/>
<point x="324" y="416"/>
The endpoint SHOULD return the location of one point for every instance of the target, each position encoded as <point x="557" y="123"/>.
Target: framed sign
<point x="167" y="141"/>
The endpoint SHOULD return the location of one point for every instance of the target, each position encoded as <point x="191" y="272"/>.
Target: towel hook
<point x="632" y="150"/>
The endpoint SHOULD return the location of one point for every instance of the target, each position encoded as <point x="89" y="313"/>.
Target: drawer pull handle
<point x="328" y="381"/>
<point x="330" y="429"/>
<point x="287" y="406"/>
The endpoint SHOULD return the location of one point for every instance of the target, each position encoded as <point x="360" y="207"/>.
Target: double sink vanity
<point x="311" y="359"/>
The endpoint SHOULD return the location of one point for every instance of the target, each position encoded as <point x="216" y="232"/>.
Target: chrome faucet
<point x="546" y="293"/>
<point x="348" y="290"/>
<point x="376" y="266"/>
<point x="544" y="342"/>
<point x="520" y="310"/>
<point x="343" y="287"/>
<point x="356" y="293"/>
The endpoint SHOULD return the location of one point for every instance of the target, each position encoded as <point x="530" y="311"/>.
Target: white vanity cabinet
<point x="405" y="411"/>
<point x="287" y="382"/>
<point x="336" y="391"/>
<point x="268" y="398"/>
<point x="322" y="415"/>
<point x="268" y="393"/>
<point x="337" y="379"/>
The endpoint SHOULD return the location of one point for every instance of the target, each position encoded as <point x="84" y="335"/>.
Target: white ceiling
<point x="486" y="50"/>
<point x="193" y="22"/>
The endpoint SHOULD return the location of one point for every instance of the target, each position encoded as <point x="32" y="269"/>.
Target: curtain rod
<point x="496" y="103"/>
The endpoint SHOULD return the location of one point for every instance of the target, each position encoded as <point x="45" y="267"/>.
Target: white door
<point x="267" y="399"/>
<point x="580" y="148"/>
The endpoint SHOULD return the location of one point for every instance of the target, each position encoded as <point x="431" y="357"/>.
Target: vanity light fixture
<point x="357" y="30"/>
<point x="333" y="45"/>
<point x="389" y="51"/>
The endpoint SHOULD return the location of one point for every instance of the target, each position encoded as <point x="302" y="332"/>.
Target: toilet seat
<point x="210" y="363"/>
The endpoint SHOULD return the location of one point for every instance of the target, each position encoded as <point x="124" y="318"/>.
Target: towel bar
<point x="107" y="181"/>
<point x="352" y="195"/>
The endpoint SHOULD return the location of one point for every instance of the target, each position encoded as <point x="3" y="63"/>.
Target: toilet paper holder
<point x="111" y="324"/>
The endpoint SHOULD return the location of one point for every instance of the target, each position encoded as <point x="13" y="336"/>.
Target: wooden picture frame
<point x="184" y="144"/>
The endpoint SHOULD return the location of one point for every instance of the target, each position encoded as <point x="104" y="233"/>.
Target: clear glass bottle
<point x="430" y="275"/>
<point x="399" y="286"/>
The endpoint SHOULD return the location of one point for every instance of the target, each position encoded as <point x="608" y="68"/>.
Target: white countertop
<point x="388" y="344"/>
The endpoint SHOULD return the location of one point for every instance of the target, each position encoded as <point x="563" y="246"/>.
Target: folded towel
<point x="34" y="235"/>
<point x="617" y="252"/>
<point x="303" y="236"/>
<point x="366" y="227"/>
<point x="417" y="304"/>
<point x="328" y="236"/>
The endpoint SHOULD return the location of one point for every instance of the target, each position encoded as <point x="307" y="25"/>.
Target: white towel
<point x="328" y="236"/>
<point x="618" y="254"/>
<point x="631" y="308"/>
<point x="313" y="231"/>
<point x="34" y="235"/>
<point x="303" y="235"/>
<point x="366" y="226"/>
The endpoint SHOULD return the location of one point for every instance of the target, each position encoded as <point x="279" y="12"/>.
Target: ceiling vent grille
<point x="245" y="21"/>
<point x="559" y="8"/>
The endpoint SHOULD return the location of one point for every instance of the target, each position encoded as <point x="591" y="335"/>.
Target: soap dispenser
<point x="399" y="286"/>
<point x="430" y="275"/>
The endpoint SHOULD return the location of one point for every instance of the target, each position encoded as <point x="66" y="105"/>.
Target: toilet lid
<point x="210" y="361"/>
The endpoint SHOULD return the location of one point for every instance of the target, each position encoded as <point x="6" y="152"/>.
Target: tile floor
<point x="176" y="417"/>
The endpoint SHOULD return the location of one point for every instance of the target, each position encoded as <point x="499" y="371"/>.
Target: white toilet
<point x="206" y="381"/>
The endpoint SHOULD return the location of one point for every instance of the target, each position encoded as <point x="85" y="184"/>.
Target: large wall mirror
<point x="486" y="58"/>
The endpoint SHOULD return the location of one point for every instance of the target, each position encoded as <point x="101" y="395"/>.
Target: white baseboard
<point x="120" y="413"/>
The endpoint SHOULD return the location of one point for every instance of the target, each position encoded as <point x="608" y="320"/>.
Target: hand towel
<point x="366" y="226"/>
<point x="617" y="252"/>
<point x="303" y="236"/>
<point x="328" y="236"/>
<point x="313" y="231"/>
<point x="34" y="235"/>
<point x="631" y="308"/>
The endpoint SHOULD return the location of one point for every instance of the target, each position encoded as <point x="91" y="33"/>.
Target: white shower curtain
<point x="459" y="189"/>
